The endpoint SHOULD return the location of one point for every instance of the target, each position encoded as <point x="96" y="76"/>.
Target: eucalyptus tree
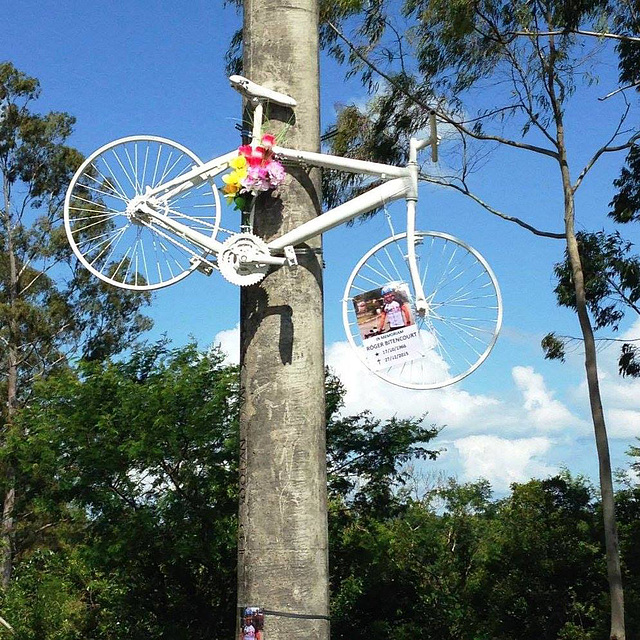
<point x="626" y="203"/>
<point x="612" y="291"/>
<point x="498" y="74"/>
<point x="49" y="310"/>
<point x="612" y="269"/>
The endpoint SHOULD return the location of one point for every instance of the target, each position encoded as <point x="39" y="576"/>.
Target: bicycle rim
<point x="456" y="334"/>
<point x="120" y="251"/>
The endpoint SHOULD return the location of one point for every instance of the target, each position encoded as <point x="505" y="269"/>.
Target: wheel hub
<point x="137" y="212"/>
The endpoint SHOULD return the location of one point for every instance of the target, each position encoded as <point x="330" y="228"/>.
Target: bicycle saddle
<point x="252" y="90"/>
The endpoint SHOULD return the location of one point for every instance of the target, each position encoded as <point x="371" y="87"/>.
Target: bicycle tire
<point x="118" y="249"/>
<point x="456" y="334"/>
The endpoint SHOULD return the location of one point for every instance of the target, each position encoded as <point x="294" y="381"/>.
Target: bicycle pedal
<point x="201" y="266"/>
<point x="290" y="256"/>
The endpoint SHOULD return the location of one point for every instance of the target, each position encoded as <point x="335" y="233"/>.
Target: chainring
<point x="235" y="259"/>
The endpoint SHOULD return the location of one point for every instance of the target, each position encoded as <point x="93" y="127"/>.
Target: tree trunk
<point x="282" y="555"/>
<point x="614" y="573"/>
<point x="7" y="527"/>
<point x="612" y="550"/>
<point x="597" y="414"/>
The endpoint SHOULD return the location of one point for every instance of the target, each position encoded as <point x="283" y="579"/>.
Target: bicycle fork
<point x="421" y="303"/>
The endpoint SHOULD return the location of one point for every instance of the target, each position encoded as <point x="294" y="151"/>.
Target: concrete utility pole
<point x="282" y="559"/>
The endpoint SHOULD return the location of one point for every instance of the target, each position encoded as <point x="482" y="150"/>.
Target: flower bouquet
<point x="254" y="170"/>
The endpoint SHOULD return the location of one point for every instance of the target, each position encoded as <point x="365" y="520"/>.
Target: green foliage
<point x="48" y="307"/>
<point x="626" y="203"/>
<point x="553" y="347"/>
<point x="128" y="521"/>
<point x="131" y="468"/>
<point x="611" y="274"/>
<point x="629" y="361"/>
<point x="479" y="65"/>
<point x="51" y="598"/>
<point x="383" y="137"/>
<point x="141" y="457"/>
<point x="543" y="563"/>
<point x="527" y="566"/>
<point x="612" y="288"/>
<point x="367" y="457"/>
<point x="628" y="511"/>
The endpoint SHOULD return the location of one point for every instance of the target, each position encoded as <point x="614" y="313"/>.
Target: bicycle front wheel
<point x="128" y="251"/>
<point x="457" y="332"/>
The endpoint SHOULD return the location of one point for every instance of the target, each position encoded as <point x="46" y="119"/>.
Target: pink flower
<point x="276" y="173"/>
<point x="256" y="180"/>
<point x="268" y="140"/>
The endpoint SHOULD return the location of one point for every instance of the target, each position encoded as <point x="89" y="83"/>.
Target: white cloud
<point x="623" y="423"/>
<point x="502" y="436"/>
<point x="503" y="461"/>
<point x="620" y="396"/>
<point x="499" y="437"/>
<point x="546" y="413"/>
<point x="460" y="411"/>
<point x="229" y="342"/>
<point x="451" y="406"/>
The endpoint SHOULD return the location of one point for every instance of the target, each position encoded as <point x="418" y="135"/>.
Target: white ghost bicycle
<point x="143" y="212"/>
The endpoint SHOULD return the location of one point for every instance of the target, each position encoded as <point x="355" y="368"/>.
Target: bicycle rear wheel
<point x="456" y="334"/>
<point x="127" y="251"/>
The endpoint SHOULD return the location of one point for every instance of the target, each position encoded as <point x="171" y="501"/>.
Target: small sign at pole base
<point x="251" y="623"/>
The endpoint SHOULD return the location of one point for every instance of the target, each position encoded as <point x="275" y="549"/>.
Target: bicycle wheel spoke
<point x="462" y="319"/>
<point x="143" y="180"/>
<point x="117" y="239"/>
<point x="115" y="192"/>
<point x="133" y="165"/>
<point x="166" y="169"/>
<point x="115" y="246"/>
<point x="102" y="216"/>
<point x="107" y="235"/>
<point x="115" y="179"/>
<point x="112" y="194"/>
<point x="93" y="224"/>
<point x="395" y="266"/>
<point x="111" y="243"/>
<point x="124" y="170"/>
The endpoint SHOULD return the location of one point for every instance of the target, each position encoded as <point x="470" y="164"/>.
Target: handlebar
<point x="432" y="140"/>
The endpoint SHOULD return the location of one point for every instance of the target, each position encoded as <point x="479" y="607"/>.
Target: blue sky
<point x="158" y="68"/>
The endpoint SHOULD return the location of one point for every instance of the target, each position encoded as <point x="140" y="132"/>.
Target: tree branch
<point x="4" y="623"/>
<point x="465" y="191"/>
<point x="607" y="149"/>
<point x="580" y="32"/>
<point x="624" y="297"/>
<point x="444" y="116"/>
<point x="613" y="93"/>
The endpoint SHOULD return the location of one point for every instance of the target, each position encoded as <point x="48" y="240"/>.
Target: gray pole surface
<point x="283" y="549"/>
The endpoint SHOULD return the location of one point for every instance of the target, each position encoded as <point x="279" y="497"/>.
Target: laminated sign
<point x="394" y="348"/>
<point x="389" y="334"/>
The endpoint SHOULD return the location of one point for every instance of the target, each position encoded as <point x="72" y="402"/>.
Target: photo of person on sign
<point x="396" y="313"/>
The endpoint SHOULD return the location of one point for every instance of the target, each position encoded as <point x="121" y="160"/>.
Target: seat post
<point x="258" y="114"/>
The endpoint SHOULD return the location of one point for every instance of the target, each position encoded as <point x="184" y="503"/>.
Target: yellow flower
<point x="230" y="189"/>
<point x="239" y="163"/>
<point x="234" y="177"/>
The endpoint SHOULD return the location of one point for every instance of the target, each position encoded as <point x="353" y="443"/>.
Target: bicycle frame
<point x="142" y="245"/>
<point x="403" y="183"/>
